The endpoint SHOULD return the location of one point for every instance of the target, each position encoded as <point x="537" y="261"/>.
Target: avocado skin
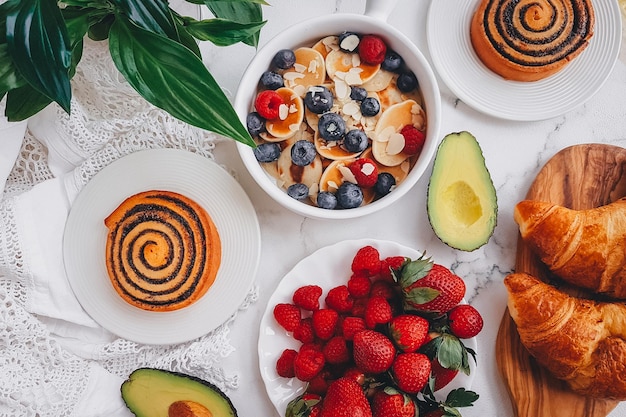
<point x="460" y="160"/>
<point x="148" y="392"/>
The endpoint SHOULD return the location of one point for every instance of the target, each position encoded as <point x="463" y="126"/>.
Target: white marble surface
<point x="514" y="153"/>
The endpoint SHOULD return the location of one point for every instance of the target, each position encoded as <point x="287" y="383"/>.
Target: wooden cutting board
<point x="579" y="177"/>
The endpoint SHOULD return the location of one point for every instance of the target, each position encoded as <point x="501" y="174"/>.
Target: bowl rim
<point x="358" y="23"/>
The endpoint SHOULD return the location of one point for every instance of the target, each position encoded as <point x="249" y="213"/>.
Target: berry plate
<point x="327" y="267"/>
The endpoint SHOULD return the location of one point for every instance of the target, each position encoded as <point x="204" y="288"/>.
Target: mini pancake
<point x="291" y="115"/>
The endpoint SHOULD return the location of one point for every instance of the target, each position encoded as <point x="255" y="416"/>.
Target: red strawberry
<point x="336" y="350"/>
<point x="284" y="364"/>
<point x="388" y="264"/>
<point x="411" y="371"/>
<point x="408" y="331"/>
<point x="352" y="325"/>
<point x="413" y="140"/>
<point x="308" y="363"/>
<point x="367" y="261"/>
<point x="268" y="103"/>
<point x="325" y="323"/>
<point x="443" y="376"/>
<point x="305" y="405"/>
<point x="465" y="321"/>
<point x="307" y="297"/>
<point x="365" y="172"/>
<point x="287" y="315"/>
<point x="430" y="287"/>
<point x="373" y="351"/>
<point x="390" y="402"/>
<point x="356" y="374"/>
<point x="339" y="299"/>
<point x="345" y="398"/>
<point x="359" y="285"/>
<point x="377" y="311"/>
<point x="372" y="49"/>
<point x="304" y="332"/>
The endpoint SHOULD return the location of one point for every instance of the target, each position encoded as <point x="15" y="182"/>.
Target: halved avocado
<point x="159" y="393"/>
<point x="462" y="203"/>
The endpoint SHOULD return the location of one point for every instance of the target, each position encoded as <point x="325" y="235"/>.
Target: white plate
<point x="195" y="177"/>
<point x="463" y="72"/>
<point x="327" y="267"/>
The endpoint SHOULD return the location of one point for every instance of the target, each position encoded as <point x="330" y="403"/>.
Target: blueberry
<point x="272" y="80"/>
<point x="384" y="183"/>
<point x="406" y="82"/>
<point x="298" y="191"/>
<point x="303" y="153"/>
<point x="393" y="62"/>
<point x="370" y="107"/>
<point x="349" y="195"/>
<point x="285" y="58"/>
<point x="349" y="41"/>
<point x="358" y="93"/>
<point x="318" y="99"/>
<point x="326" y="200"/>
<point x="267" y="152"/>
<point x="331" y="126"/>
<point x="255" y="123"/>
<point x="355" y="141"/>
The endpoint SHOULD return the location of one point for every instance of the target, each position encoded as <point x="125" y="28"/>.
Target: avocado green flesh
<point x="462" y="203"/>
<point x="149" y="393"/>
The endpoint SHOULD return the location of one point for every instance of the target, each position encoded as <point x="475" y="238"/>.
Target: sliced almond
<point x="310" y="67"/>
<point x="393" y="119"/>
<point x="339" y="61"/>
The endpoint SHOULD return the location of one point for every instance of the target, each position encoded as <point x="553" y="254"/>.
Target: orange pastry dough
<point x="163" y="250"/>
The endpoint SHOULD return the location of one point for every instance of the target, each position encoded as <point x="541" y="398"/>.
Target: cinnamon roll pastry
<point x="163" y="250"/>
<point x="528" y="40"/>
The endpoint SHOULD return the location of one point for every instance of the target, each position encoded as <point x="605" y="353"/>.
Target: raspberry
<point x="325" y="323"/>
<point x="389" y="263"/>
<point x="351" y="326"/>
<point x="308" y="363"/>
<point x="377" y="311"/>
<point x="318" y="385"/>
<point x="304" y="332"/>
<point x="336" y="351"/>
<point x="268" y="103"/>
<point x="365" y="172"/>
<point x="367" y="261"/>
<point x="358" y="310"/>
<point x="383" y="289"/>
<point x="339" y="299"/>
<point x="307" y="297"/>
<point x="288" y="316"/>
<point x="372" y="49"/>
<point x="413" y="140"/>
<point x="284" y="364"/>
<point x="359" y="286"/>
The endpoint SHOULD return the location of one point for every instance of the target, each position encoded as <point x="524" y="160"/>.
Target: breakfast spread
<point x="392" y="332"/>
<point x="525" y="41"/>
<point x="163" y="250"/>
<point x="338" y="123"/>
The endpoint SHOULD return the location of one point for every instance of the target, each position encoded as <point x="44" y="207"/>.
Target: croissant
<point x="586" y="248"/>
<point x="579" y="341"/>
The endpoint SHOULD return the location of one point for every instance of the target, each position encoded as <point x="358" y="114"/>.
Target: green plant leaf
<point x="9" y="76"/>
<point x="152" y="15"/>
<point x="238" y="11"/>
<point x="263" y="2"/>
<point x="36" y="34"/>
<point x="222" y="32"/>
<point x="171" y="77"/>
<point x="24" y="102"/>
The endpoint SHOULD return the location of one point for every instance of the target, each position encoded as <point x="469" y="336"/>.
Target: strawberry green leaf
<point x="413" y="271"/>
<point x="452" y="354"/>
<point x="461" y="397"/>
<point x="450" y="411"/>
<point x="421" y="295"/>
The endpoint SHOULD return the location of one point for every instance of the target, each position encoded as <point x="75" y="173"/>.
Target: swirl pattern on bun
<point x="162" y="251"/>
<point x="528" y="40"/>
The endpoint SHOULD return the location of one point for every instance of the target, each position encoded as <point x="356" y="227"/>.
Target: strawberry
<point x="325" y="323"/>
<point x="366" y="261"/>
<point x="430" y="287"/>
<point x="359" y="285"/>
<point x="287" y="315"/>
<point x="268" y="103"/>
<point x="345" y="398"/>
<point x="336" y="351"/>
<point x="389" y="264"/>
<point x="304" y="332"/>
<point x="408" y="331"/>
<point x="442" y="376"/>
<point x="390" y="402"/>
<point x="352" y="325"/>
<point x="308" y="363"/>
<point x="413" y="140"/>
<point x="377" y="311"/>
<point x="307" y="297"/>
<point x="411" y="371"/>
<point x="356" y="374"/>
<point x="339" y="299"/>
<point x="284" y="364"/>
<point x="365" y="172"/>
<point x="465" y="321"/>
<point x="372" y="49"/>
<point x="373" y="351"/>
<point x="304" y="405"/>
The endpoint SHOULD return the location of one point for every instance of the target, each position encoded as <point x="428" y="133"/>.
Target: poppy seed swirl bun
<point x="528" y="40"/>
<point x="162" y="251"/>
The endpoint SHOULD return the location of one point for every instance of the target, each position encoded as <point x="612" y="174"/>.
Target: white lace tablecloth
<point x="54" y="360"/>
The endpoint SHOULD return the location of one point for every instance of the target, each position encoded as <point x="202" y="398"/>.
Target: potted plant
<point x="153" y="47"/>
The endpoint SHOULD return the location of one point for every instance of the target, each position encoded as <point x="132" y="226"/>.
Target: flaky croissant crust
<point x="580" y="341"/>
<point x="586" y="248"/>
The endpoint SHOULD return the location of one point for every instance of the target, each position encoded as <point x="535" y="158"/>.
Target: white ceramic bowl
<point x="306" y="33"/>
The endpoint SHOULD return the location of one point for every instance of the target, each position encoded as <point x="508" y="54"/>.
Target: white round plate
<point x="328" y="267"/>
<point x="467" y="77"/>
<point x="189" y="174"/>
